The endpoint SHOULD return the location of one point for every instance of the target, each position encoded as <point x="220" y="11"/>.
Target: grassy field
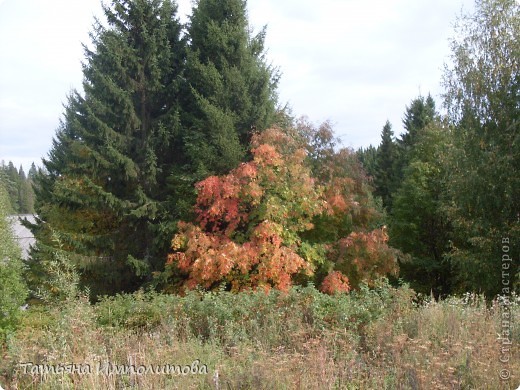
<point x="379" y="338"/>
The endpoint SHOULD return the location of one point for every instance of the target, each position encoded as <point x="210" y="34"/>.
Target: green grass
<point x="371" y="339"/>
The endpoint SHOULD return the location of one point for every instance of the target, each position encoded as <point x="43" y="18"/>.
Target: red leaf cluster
<point x="365" y="256"/>
<point x="209" y="259"/>
<point x="335" y="282"/>
<point x="222" y="202"/>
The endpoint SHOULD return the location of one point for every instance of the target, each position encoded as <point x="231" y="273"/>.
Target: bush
<point x="254" y="317"/>
<point x="137" y="312"/>
<point x="62" y="278"/>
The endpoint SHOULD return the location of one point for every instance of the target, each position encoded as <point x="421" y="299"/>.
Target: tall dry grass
<point x="373" y="339"/>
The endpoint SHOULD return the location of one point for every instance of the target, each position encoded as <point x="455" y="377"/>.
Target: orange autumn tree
<point x="352" y="231"/>
<point x="247" y="230"/>
<point x="298" y="211"/>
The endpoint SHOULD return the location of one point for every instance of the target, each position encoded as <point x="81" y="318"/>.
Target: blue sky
<point x="356" y="63"/>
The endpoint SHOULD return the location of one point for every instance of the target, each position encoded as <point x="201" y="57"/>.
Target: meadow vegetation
<point x="374" y="338"/>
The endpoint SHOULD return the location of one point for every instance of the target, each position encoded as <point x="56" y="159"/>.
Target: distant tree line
<point x="13" y="289"/>
<point x="19" y="187"/>
<point x="450" y="185"/>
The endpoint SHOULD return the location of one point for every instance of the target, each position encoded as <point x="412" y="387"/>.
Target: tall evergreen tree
<point x="32" y="172"/>
<point x="105" y="190"/>
<point x="25" y="193"/>
<point x="12" y="184"/>
<point x="384" y="179"/>
<point x="230" y="89"/>
<point x="417" y="116"/>
<point x="419" y="225"/>
<point x="483" y="101"/>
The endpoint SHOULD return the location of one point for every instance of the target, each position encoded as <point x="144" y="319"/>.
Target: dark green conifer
<point x="368" y="157"/>
<point x="384" y="179"/>
<point x="230" y="89"/>
<point x="419" y="225"/>
<point x="104" y="190"/>
<point x="418" y="115"/>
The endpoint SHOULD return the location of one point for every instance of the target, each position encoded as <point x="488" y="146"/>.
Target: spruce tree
<point x="230" y="89"/>
<point x="25" y="193"/>
<point x="32" y="172"/>
<point x="384" y="179"/>
<point x="104" y="189"/>
<point x="12" y="185"/>
<point x="19" y="189"/>
<point x="418" y="115"/>
<point x="419" y="225"/>
<point x="368" y="157"/>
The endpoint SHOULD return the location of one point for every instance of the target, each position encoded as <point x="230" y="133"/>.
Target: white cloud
<point x="357" y="63"/>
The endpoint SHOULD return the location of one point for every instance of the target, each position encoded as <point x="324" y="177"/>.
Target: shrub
<point x="62" y="278"/>
<point x="139" y="311"/>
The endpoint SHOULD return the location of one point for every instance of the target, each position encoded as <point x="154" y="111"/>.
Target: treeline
<point x="19" y="187"/>
<point x="179" y="134"/>
<point x="13" y="289"/>
<point x="450" y="185"/>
